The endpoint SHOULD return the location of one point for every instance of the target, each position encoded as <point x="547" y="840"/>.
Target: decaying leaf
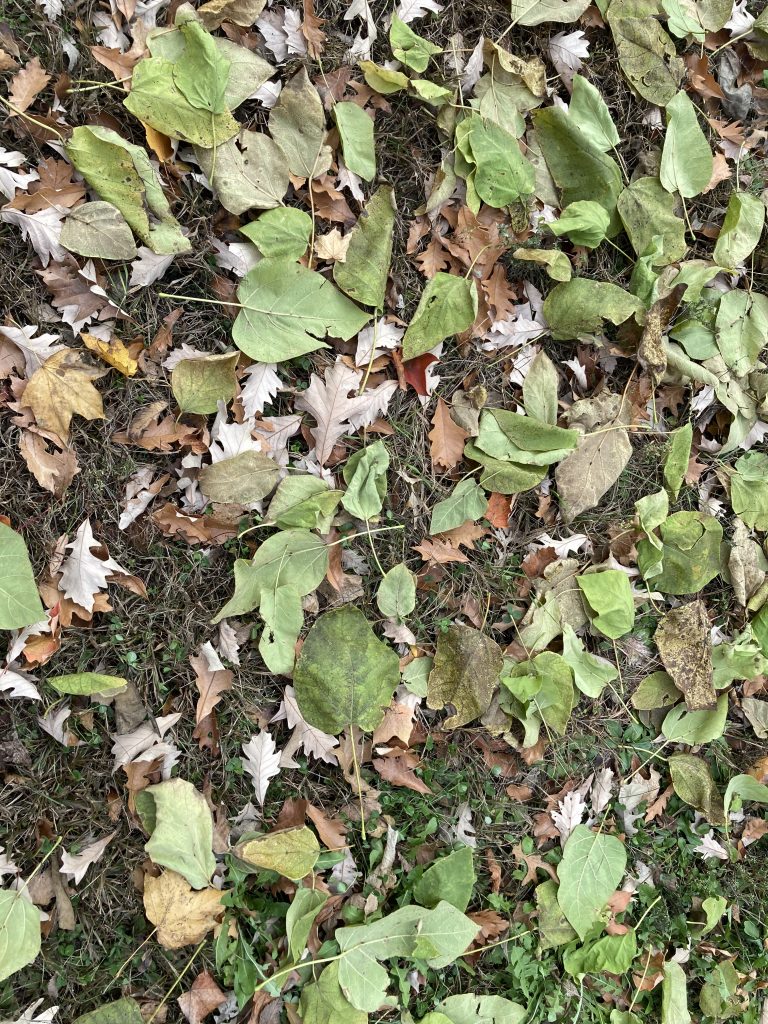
<point x="685" y="645"/>
<point x="465" y="673"/>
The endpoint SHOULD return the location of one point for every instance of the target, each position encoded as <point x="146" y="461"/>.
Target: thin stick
<point x="358" y="781"/>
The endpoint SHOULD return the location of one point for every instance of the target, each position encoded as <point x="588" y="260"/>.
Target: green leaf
<point x="450" y="878"/>
<point x="199" y="385"/>
<point x="554" y="929"/>
<point x="745" y="787"/>
<point x="437" y="936"/>
<point x="511" y="437"/>
<point x="536" y="12"/>
<point x="677" y="458"/>
<point x="20" y="604"/>
<point x="382" y="80"/>
<point x="680" y="22"/>
<point x="540" y="389"/>
<point x="580" y="169"/>
<point x="590" y="112"/>
<point x="283" y="232"/>
<point x="585" y="222"/>
<point x="122" y="1011"/>
<point x="741" y="327"/>
<point x="88" y="684"/>
<point x="655" y="691"/>
<point x="695" y="727"/>
<point x="579" y="307"/>
<point x="122" y="175"/>
<point x="674" y="995"/>
<point x="590" y="673"/>
<point x="19" y="932"/>
<point x="432" y="93"/>
<point x="556" y="263"/>
<point x="612" y="954"/>
<point x="156" y="99"/>
<point x="365" y="474"/>
<point x="416" y="674"/>
<point x="344" y="674"/>
<point x="304" y="908"/>
<point x="412" y="50"/>
<point x="203" y="71"/>
<point x="246" y="477"/>
<point x="448" y="306"/>
<point x="474" y="1009"/>
<point x="502" y="174"/>
<point x="356" y="135"/>
<point x="464" y="673"/>
<point x="294" y="558"/>
<point x="250" y="171"/>
<point x="686" y="159"/>
<point x="652" y="510"/>
<point x="695" y="786"/>
<point x="363" y="274"/>
<point x="466" y="502"/>
<point x="647" y="57"/>
<point x="287" y="310"/>
<point x="182" y="835"/>
<point x="690" y="555"/>
<point x="740" y="658"/>
<point x="98" y="230"/>
<point x="297" y="124"/>
<point x="539" y="690"/>
<point x="608" y="596"/>
<point x="749" y="490"/>
<point x="323" y="1002"/>
<point x="714" y="907"/>
<point x="741" y="230"/>
<point x="504" y="477"/>
<point x="280" y="608"/>
<point x="303" y="501"/>
<point x="593" y="864"/>
<point x="290" y="852"/>
<point x="396" y="596"/>
<point x="647" y="211"/>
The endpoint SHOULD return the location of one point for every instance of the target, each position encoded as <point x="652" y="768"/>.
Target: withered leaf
<point x="685" y="645"/>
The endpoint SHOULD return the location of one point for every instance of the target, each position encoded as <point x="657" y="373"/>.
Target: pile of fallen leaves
<point x="609" y="276"/>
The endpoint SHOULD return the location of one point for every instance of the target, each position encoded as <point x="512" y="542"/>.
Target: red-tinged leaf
<point x="415" y="372"/>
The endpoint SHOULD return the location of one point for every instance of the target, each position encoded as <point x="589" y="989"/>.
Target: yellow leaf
<point x="181" y="914"/>
<point x="62" y="387"/>
<point x="112" y="352"/>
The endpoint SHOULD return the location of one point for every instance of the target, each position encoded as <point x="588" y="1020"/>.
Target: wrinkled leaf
<point x="465" y="673"/>
<point x="448" y="306"/>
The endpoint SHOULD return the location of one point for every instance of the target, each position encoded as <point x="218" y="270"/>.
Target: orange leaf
<point x="446" y="438"/>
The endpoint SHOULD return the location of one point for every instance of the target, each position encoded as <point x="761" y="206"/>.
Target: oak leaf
<point x="439" y="551"/>
<point x="83" y="575"/>
<point x="212" y="680"/>
<point x="398" y="768"/>
<point x="446" y="438"/>
<point x="26" y="85"/>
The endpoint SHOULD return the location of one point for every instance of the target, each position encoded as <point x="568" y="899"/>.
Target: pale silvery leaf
<point x="229" y="643"/>
<point x="741" y="20"/>
<point x="239" y="257"/>
<point x="601" y="791"/>
<point x="563" y="547"/>
<point x="76" y="865"/>
<point x="569" y="814"/>
<point x="349" y="180"/>
<point x="315" y="743"/>
<point x="83" y="575"/>
<point x="51" y="8"/>
<point x="566" y="50"/>
<point x="148" y="267"/>
<point x="261" y="384"/>
<point x="261" y="761"/>
<point x="30" y="1015"/>
<point x="268" y="94"/>
<point x="42" y="230"/>
<point x="464" y="831"/>
<point x="12" y="180"/>
<point x="54" y="724"/>
<point x="274" y="435"/>
<point x="141" y="743"/>
<point x="473" y="69"/>
<point x="408" y="10"/>
<point x="35" y="350"/>
<point x="383" y="335"/>
<point x="15" y="684"/>
<point x="710" y="849"/>
<point x="139" y="492"/>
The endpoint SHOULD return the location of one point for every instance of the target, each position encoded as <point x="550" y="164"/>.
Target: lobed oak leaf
<point x="83" y="575"/>
<point x="447" y="438"/>
<point x="439" y="551"/>
<point x="314" y="742"/>
<point x="26" y="86"/>
<point x="261" y="761"/>
<point x="76" y="865"/>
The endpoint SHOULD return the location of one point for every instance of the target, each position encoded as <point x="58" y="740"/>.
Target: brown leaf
<point x="491" y="925"/>
<point x="701" y="77"/>
<point x="720" y="172"/>
<point x="494" y="870"/>
<point x="497" y="754"/>
<point x="311" y="29"/>
<point x="499" y="509"/>
<point x="211" y="678"/>
<point x="138" y="777"/>
<point x="759" y="770"/>
<point x="446" y="438"/>
<point x="203" y="998"/>
<point x="54" y="188"/>
<point x="659" y="804"/>
<point x="685" y="645"/>
<point x="521" y="793"/>
<point x="194" y="529"/>
<point x="62" y="388"/>
<point x="533" y="863"/>
<point x="464" y="535"/>
<point x="73" y="293"/>
<point x="433" y="258"/>
<point x="25" y="86"/>
<point x="332" y="831"/>
<point x="397" y="723"/>
<point x="153" y="432"/>
<point x="535" y="562"/>
<point x="182" y="915"/>
<point x="54" y="468"/>
<point x="399" y="770"/>
<point x="500" y="293"/>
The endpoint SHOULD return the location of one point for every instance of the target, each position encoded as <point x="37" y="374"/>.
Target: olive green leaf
<point x="741" y="327"/>
<point x="674" y="995"/>
<point x="297" y="124"/>
<point x="203" y="72"/>
<point x="122" y="175"/>
<point x="303" y="501"/>
<point x="383" y="80"/>
<point x="246" y="477"/>
<point x="293" y="558"/>
<point x="365" y="474"/>
<point x="690" y="554"/>
<point x="612" y="954"/>
<point x="282" y="232"/>
<point x="536" y="12"/>
<point x="554" y="929"/>
<point x="677" y="458"/>
<point x="647" y="57"/>
<point x="323" y="1002"/>
<point x="581" y="170"/>
<point x="585" y="222"/>
<point x="524" y="440"/>
<point x="88" y="684"/>
<point x="363" y="274"/>
<point x="740" y="233"/>
<point x="555" y="263"/>
<point x="695" y="727"/>
<point x="249" y="172"/>
<point x="538" y="691"/>
<point x="655" y="691"/>
<point x="464" y="674"/>
<point x="304" y="908"/>
<point x="416" y="674"/>
<point x="466" y="502"/>
<point x="647" y="211"/>
<point x="20" y="604"/>
<point x="450" y="878"/>
<point x="344" y="674"/>
<point x="608" y="597"/>
<point x="181" y="827"/>
<point x="683" y="637"/>
<point x="199" y="385"/>
<point x="286" y="311"/>
<point x="694" y="785"/>
<point x="122" y="1011"/>
<point x="501" y="173"/>
<point x="98" y="230"/>
<point x="590" y="112"/>
<point x="280" y="608"/>
<point x="410" y="49"/>
<point x="578" y="308"/>
<point x="590" y="673"/>
<point x="474" y="1009"/>
<point x="686" y="159"/>
<point x="19" y="932"/>
<point x="356" y="134"/>
<point x="540" y="389"/>
<point x="290" y="852"/>
<point x="448" y="306"/>
<point x="593" y="864"/>
<point x="396" y="596"/>
<point x="504" y="477"/>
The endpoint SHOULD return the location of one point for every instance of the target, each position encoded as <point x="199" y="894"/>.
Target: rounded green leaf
<point x="356" y="134"/>
<point x="246" y="477"/>
<point x="20" y="604"/>
<point x="363" y="274"/>
<point x="198" y="385"/>
<point x="448" y="306"/>
<point x="686" y="159"/>
<point x="593" y="864"/>
<point x="182" y="830"/>
<point x="98" y="230"/>
<point x="609" y="601"/>
<point x="396" y="596"/>
<point x="19" y="932"/>
<point x="282" y="232"/>
<point x="695" y="786"/>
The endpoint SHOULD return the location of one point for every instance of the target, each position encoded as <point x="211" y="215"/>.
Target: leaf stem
<point x="32" y="120"/>
<point x="358" y="781"/>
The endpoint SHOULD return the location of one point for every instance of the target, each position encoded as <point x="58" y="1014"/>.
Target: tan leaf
<point x="332" y="831"/>
<point x="120" y="64"/>
<point x="211" y="678"/>
<point x="439" y="551"/>
<point x="446" y="438"/>
<point x="499" y="509"/>
<point x="311" y="29"/>
<point x="491" y="925"/>
<point x="181" y="914"/>
<point x="62" y="388"/>
<point x="399" y="770"/>
<point x="397" y="723"/>
<point x="720" y="172"/>
<point x="26" y="84"/>
<point x="54" y="188"/>
<point x="54" y="468"/>
<point x="464" y="535"/>
<point x="77" y="864"/>
<point x="333" y="246"/>
<point x="203" y="998"/>
<point x="194" y="529"/>
<point x="78" y="293"/>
